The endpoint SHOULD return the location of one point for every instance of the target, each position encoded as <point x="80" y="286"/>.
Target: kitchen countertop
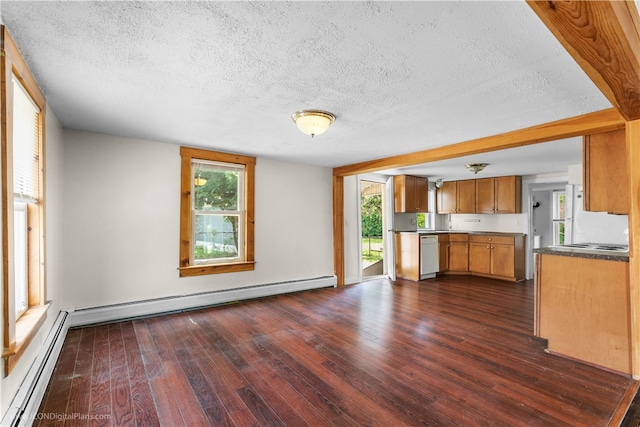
<point x="477" y="233"/>
<point x="581" y="253"/>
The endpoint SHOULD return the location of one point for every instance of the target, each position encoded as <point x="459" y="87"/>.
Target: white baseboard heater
<point x="117" y="312"/>
<point x="25" y="404"/>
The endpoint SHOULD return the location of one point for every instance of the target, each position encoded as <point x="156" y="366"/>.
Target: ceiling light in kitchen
<point x="475" y="167"/>
<point x="313" y="122"/>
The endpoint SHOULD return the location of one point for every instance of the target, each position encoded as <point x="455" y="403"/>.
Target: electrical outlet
<point x="413" y="222"/>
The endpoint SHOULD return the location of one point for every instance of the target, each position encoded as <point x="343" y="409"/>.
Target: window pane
<point x="216" y="188"/>
<point x="216" y="237"/>
<point x="20" y="256"/>
<point x="26" y="141"/>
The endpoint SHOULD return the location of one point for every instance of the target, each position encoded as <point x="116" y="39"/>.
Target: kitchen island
<point x="582" y="305"/>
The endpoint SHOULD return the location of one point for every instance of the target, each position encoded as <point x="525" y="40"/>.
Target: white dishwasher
<point x="429" y="263"/>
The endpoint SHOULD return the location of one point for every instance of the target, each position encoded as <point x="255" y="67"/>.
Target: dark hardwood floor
<point x="455" y="351"/>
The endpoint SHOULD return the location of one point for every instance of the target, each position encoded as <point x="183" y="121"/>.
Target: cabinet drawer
<point x="457" y="237"/>
<point x="443" y="238"/>
<point x="491" y="239"/>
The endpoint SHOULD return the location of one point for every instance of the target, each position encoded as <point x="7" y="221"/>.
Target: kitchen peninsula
<point x="582" y="305"/>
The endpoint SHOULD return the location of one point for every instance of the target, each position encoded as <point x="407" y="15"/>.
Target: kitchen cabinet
<point x="582" y="309"/>
<point x="606" y="186"/>
<point x="410" y="193"/>
<point x="501" y="194"/>
<point x="456" y="197"/>
<point x="408" y="256"/>
<point x="501" y="257"/>
<point x="458" y="253"/>
<point x="443" y="252"/>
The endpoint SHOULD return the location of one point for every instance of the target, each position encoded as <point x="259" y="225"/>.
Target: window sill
<point x="200" y="270"/>
<point x="26" y="328"/>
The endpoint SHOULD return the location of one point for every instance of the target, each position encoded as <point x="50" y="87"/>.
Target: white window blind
<point x="26" y="138"/>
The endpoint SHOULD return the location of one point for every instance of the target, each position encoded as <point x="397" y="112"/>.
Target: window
<point x="216" y="212"/>
<point x="427" y="220"/>
<point x="23" y="116"/>
<point x="558" y="217"/>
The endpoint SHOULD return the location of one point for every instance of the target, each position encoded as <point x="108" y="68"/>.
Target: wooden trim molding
<point x="603" y="38"/>
<point x="338" y="228"/>
<point x="185" y="268"/>
<point x="26" y="328"/>
<point x="599" y="121"/>
<point x="633" y="159"/>
<point x="18" y="333"/>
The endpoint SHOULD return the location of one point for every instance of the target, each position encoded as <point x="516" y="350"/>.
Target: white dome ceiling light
<point x="313" y="122"/>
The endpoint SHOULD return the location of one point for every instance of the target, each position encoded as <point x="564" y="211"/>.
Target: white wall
<point x="53" y="228"/>
<point x="506" y="223"/>
<point x="121" y="223"/>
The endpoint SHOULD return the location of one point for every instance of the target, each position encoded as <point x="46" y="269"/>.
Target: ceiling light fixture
<point x="475" y="167"/>
<point x="313" y="122"/>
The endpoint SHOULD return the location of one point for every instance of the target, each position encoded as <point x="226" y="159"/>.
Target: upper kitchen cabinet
<point x="502" y="194"/>
<point x="606" y="187"/>
<point x="410" y="193"/>
<point x="457" y="197"/>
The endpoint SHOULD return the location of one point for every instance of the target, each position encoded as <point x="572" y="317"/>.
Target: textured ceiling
<point x="399" y="76"/>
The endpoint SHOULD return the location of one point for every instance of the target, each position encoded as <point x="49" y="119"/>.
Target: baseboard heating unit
<point x="118" y="312"/>
<point x="24" y="407"/>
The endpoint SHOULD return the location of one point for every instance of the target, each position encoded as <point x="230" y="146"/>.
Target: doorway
<point x="547" y="217"/>
<point x="372" y="218"/>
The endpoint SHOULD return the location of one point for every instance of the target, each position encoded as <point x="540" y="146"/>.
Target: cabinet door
<point x="408" y="256"/>
<point x="485" y="195"/>
<point x="404" y="189"/>
<point x="480" y="258"/>
<point x="507" y="194"/>
<point x="606" y="187"/>
<point x="447" y="198"/>
<point x="458" y="256"/>
<point x="502" y="260"/>
<point x="467" y="196"/>
<point x="443" y="256"/>
<point x="410" y="194"/>
<point x="421" y="194"/>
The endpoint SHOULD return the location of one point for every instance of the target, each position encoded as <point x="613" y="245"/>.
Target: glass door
<point x="372" y="218"/>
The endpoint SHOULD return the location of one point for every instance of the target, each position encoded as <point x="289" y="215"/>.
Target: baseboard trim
<point x="25" y="404"/>
<point x="152" y="307"/>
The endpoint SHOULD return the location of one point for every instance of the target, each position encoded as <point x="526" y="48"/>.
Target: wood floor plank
<point x="122" y="412"/>
<point x="145" y="413"/>
<point x="451" y="351"/>
<point x="80" y="392"/>
<point x="57" y="393"/>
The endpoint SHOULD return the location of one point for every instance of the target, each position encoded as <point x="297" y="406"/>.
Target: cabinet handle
<point x="488" y="247"/>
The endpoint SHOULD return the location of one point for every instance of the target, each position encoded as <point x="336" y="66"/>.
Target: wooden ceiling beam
<point x="603" y="37"/>
<point x="600" y="121"/>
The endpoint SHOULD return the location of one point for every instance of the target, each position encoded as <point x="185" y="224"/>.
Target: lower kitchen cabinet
<point x="582" y="309"/>
<point x="443" y="252"/>
<point x="501" y="257"/>
<point x="408" y="256"/>
<point x="458" y="253"/>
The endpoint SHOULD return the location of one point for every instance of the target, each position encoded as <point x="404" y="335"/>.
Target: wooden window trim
<point x="187" y="155"/>
<point x="19" y="333"/>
